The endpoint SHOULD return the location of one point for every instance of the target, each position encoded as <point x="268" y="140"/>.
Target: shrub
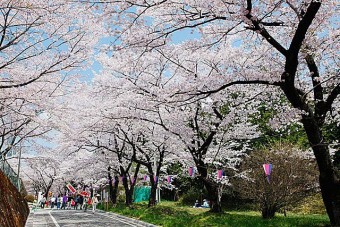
<point x="294" y="177"/>
<point x="311" y="205"/>
<point x="190" y="197"/>
<point x="121" y="195"/>
<point x="29" y="198"/>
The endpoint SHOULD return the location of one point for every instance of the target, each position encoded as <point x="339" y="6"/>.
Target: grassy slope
<point x="171" y="214"/>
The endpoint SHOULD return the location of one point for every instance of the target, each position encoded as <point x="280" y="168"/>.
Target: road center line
<point x="117" y="219"/>
<point x="53" y="219"/>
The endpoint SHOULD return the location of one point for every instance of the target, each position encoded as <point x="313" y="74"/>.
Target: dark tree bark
<point x="268" y="212"/>
<point x="329" y="184"/>
<point x="215" y="203"/>
<point x="113" y="188"/>
<point x="128" y="183"/>
<point x="152" y="200"/>
<point x="128" y="193"/>
<point x="212" y="188"/>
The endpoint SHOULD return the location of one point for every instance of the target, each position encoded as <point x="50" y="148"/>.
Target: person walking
<point x="81" y="201"/>
<point x="69" y="199"/>
<point x="59" y="202"/>
<point x="52" y="202"/>
<point x="76" y="200"/>
<point x="94" y="203"/>
<point x="42" y="202"/>
<point x="73" y="204"/>
<point x="64" y="202"/>
<point x="86" y="200"/>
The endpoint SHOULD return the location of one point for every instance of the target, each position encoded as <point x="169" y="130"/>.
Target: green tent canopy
<point x="141" y="193"/>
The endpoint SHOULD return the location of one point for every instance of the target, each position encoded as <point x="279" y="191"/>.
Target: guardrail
<point x="11" y="174"/>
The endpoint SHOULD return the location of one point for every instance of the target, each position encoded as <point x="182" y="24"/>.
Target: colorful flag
<point x="145" y="177"/>
<point x="267" y="170"/>
<point x="71" y="188"/>
<point x="191" y="171"/>
<point x="219" y="173"/>
<point x="169" y="179"/>
<point x="155" y="179"/>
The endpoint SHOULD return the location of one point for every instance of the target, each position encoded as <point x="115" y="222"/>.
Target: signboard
<point x="71" y="188"/>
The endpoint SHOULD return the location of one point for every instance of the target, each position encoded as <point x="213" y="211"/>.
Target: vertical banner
<point x="145" y="177"/>
<point x="191" y="171"/>
<point x="219" y="173"/>
<point x="267" y="170"/>
<point x="169" y="179"/>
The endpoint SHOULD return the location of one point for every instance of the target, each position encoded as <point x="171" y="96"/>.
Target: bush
<point x="29" y="198"/>
<point x="311" y="205"/>
<point x="121" y="197"/>
<point x="190" y="197"/>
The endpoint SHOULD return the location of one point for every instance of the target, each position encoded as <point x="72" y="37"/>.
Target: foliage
<point x="29" y="198"/>
<point x="310" y="205"/>
<point x="293" y="177"/>
<point x="190" y="196"/>
<point x="172" y="214"/>
<point x="121" y="197"/>
<point x="332" y="133"/>
<point x="292" y="133"/>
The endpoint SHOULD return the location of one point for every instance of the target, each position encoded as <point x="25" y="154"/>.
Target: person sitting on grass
<point x="197" y="204"/>
<point x="205" y="204"/>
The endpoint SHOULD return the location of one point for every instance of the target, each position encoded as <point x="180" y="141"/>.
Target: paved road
<point x="79" y="218"/>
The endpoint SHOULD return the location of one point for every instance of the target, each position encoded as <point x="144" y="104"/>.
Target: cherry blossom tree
<point x="286" y="46"/>
<point x="42" y="173"/>
<point x="41" y="44"/>
<point x="35" y="42"/>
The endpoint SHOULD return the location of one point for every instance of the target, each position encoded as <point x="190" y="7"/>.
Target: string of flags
<point x="145" y="178"/>
<point x="220" y="173"/>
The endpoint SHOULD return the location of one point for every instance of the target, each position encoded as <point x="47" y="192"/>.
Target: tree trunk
<point x="152" y="199"/>
<point x="212" y="188"/>
<point x="329" y="184"/>
<point x="215" y="203"/>
<point x="268" y="212"/>
<point x="128" y="194"/>
<point x="128" y="197"/>
<point x="91" y="191"/>
<point x="113" y="189"/>
<point x="48" y="189"/>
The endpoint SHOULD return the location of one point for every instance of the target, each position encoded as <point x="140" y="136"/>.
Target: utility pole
<point x="158" y="194"/>
<point x="19" y="161"/>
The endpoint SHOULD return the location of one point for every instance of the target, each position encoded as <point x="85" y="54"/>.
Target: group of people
<point x="204" y="205"/>
<point x="69" y="202"/>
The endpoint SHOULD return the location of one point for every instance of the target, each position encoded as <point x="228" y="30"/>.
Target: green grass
<point x="172" y="214"/>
